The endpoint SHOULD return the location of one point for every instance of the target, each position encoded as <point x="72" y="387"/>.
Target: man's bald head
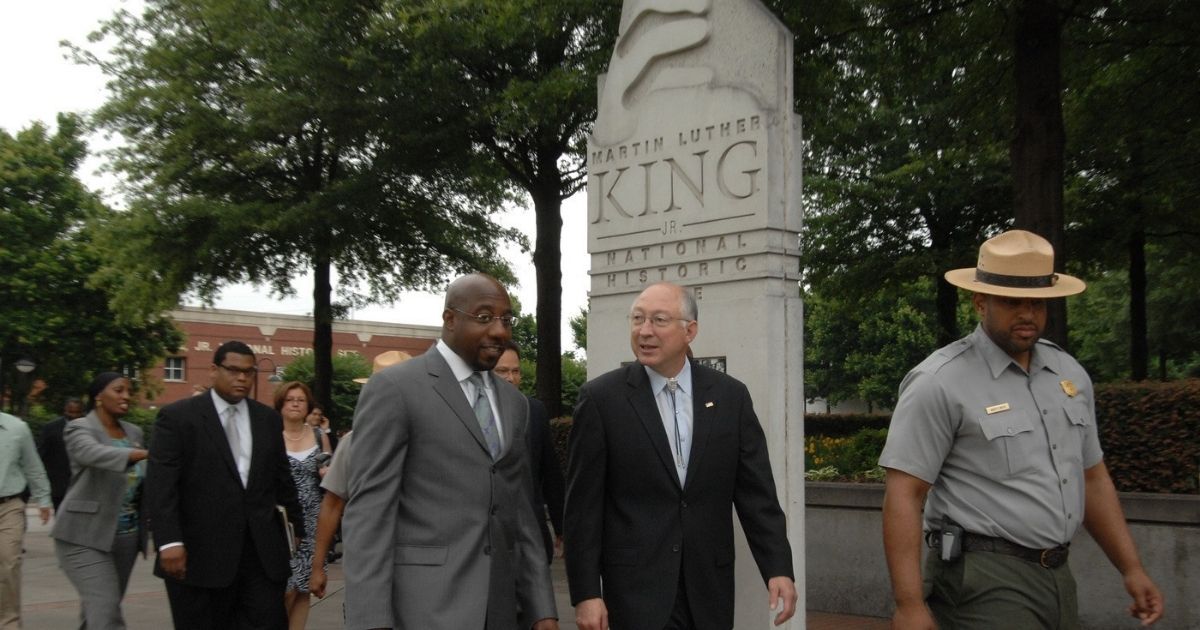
<point x="469" y="300"/>
<point x="464" y="288"/>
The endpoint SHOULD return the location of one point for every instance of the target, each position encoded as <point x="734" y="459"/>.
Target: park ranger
<point x="995" y="435"/>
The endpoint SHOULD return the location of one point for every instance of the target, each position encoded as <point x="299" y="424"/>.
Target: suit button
<point x="494" y="508"/>
<point x="683" y="504"/>
<point x="675" y="548"/>
<point x="487" y="551"/>
<point x="493" y="470"/>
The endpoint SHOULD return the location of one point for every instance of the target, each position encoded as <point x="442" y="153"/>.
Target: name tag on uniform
<point x="1069" y="388"/>
<point x="996" y="408"/>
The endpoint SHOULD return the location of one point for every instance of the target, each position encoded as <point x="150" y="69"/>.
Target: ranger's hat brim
<point x="1016" y="264"/>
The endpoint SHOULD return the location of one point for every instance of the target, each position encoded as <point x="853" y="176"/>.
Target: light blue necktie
<point x="483" y="413"/>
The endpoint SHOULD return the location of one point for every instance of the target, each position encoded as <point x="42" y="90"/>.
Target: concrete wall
<point x="847" y="572"/>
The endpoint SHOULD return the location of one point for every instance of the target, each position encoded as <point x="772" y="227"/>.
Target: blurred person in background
<point x="53" y="450"/>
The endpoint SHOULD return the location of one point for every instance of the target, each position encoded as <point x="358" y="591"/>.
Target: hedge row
<point x="1150" y="433"/>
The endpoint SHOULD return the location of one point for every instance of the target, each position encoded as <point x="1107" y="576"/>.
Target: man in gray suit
<point x="438" y="530"/>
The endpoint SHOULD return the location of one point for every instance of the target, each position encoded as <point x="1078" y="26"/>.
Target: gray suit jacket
<point x="437" y="536"/>
<point x="89" y="511"/>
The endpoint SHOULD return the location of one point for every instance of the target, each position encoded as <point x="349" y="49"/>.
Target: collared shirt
<point x="20" y="466"/>
<point x="245" y="439"/>
<point x="462" y="372"/>
<point x="677" y="416"/>
<point x="1004" y="449"/>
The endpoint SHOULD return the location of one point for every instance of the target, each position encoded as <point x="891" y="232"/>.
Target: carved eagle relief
<point x="651" y="32"/>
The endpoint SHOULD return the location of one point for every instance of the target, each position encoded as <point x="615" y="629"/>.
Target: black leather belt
<point x="10" y="497"/>
<point x="1051" y="558"/>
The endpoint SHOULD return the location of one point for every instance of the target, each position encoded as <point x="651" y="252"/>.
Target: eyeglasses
<point x="485" y="319"/>
<point x="250" y="371"/>
<point x="658" y="321"/>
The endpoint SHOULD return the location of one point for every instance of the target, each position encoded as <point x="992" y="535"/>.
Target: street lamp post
<point x="25" y="367"/>
<point x="273" y="378"/>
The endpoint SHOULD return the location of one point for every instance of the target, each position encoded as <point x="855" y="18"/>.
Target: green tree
<point x="911" y="108"/>
<point x="346" y="368"/>
<point x="267" y="139"/>
<point x="907" y="161"/>
<point x="519" y="76"/>
<point x="861" y="349"/>
<point x="524" y="333"/>
<point x="1133" y="105"/>
<point x="578" y="325"/>
<point x="48" y="311"/>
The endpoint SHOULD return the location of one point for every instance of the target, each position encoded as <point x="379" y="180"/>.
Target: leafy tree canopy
<point x="49" y="312"/>
<point x="264" y="139"/>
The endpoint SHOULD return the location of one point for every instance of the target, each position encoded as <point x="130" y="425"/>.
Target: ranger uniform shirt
<point x="1004" y="449"/>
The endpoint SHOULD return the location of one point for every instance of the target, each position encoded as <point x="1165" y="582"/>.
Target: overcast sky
<point x="38" y="82"/>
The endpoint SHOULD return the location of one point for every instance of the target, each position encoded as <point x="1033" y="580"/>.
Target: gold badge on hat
<point x="1069" y="388"/>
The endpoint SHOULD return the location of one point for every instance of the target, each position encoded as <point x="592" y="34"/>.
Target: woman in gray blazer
<point x="98" y="531"/>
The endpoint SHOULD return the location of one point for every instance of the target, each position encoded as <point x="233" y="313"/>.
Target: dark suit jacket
<point x="548" y="485"/>
<point x="630" y="524"/>
<point x="53" y="451"/>
<point x="193" y="493"/>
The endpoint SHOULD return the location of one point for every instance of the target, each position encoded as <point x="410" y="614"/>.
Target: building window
<point x="173" y="369"/>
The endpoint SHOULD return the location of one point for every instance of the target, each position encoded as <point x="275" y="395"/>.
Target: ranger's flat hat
<point x="1016" y="264"/>
<point x="386" y="360"/>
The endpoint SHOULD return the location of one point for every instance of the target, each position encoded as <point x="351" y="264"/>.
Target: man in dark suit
<point x="660" y="452"/>
<point x="543" y="461"/>
<point x="53" y="450"/>
<point x="438" y="530"/>
<point x="217" y="470"/>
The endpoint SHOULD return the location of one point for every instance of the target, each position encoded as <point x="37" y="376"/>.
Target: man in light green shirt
<point x="20" y="468"/>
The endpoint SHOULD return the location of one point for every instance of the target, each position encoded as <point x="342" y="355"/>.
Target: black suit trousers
<point x="253" y="602"/>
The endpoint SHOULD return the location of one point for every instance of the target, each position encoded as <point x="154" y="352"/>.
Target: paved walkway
<point x="49" y="602"/>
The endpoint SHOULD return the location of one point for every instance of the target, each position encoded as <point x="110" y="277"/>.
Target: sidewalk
<point x="49" y="602"/>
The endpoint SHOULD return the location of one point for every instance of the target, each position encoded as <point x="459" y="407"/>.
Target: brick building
<point x="276" y="340"/>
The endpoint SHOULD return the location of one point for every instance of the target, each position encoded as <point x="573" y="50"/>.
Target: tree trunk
<point x="947" y="312"/>
<point x="323" y="334"/>
<point x="547" y="261"/>
<point x="1139" y="348"/>
<point x="1039" y="138"/>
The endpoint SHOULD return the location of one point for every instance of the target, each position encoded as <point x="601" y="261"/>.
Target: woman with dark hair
<point x="308" y="454"/>
<point x="99" y="531"/>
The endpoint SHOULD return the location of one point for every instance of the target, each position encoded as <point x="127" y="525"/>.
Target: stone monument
<point x="694" y="178"/>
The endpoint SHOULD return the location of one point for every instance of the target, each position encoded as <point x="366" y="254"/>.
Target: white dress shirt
<point x="242" y="419"/>
<point x="462" y="372"/>
<point x="676" y="417"/>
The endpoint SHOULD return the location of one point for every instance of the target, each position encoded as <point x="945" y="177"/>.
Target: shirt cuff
<point x="169" y="545"/>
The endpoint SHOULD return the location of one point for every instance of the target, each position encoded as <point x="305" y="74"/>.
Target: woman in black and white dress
<point x="308" y="454"/>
